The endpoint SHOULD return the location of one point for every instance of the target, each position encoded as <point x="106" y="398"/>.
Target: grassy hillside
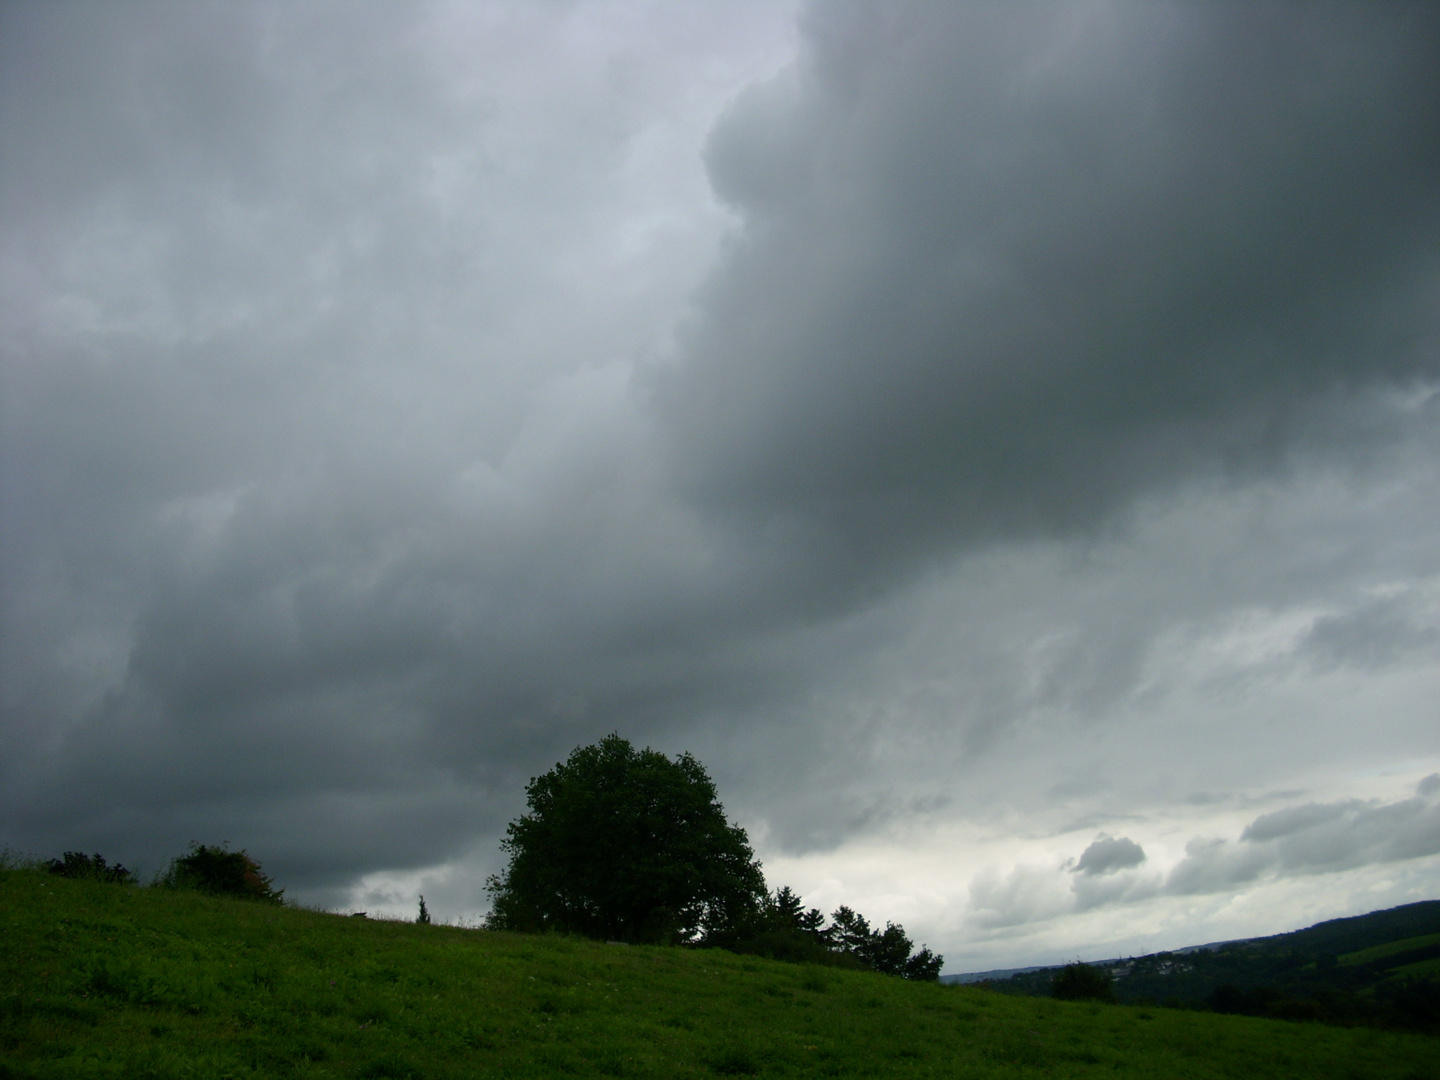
<point x="115" y="981"/>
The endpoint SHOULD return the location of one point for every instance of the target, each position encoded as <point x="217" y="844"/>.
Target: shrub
<point x="220" y="872"/>
<point x="1081" y="982"/>
<point x="75" y="864"/>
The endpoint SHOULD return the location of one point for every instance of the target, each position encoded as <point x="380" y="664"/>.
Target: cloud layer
<point x="1315" y="838"/>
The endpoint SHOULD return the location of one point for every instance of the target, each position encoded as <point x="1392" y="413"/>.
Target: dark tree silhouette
<point x="1081" y="982"/>
<point x="786" y="910"/>
<point x="782" y="929"/>
<point x="886" y="951"/>
<point x="222" y="872"/>
<point x="628" y="845"/>
<point x="76" y="864"/>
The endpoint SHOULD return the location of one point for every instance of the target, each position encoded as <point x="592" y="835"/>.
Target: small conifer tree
<point x="424" y="917"/>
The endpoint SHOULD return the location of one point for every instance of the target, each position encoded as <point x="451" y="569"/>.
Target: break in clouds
<point x="1001" y="437"/>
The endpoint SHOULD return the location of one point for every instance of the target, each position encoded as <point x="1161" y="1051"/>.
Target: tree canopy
<point x="628" y="845"/>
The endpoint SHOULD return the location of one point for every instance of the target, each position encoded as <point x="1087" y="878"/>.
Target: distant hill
<point x="1383" y="967"/>
<point x="968" y="977"/>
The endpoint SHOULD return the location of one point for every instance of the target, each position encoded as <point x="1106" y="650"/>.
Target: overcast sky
<point x="1000" y="440"/>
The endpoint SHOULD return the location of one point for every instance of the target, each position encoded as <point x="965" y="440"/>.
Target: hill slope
<point x="1382" y="967"/>
<point x="106" y="980"/>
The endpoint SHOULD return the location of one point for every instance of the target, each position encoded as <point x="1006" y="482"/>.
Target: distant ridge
<point x="967" y="977"/>
<point x="1331" y="936"/>
<point x="984" y="976"/>
<point x="1382" y="968"/>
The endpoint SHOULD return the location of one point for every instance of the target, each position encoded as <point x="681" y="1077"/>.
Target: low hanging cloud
<point x="1315" y="838"/>
<point x="1109" y="854"/>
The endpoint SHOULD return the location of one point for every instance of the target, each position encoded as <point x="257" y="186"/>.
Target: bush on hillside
<point x="76" y="864"/>
<point x="220" y="872"/>
<point x="1081" y="982"/>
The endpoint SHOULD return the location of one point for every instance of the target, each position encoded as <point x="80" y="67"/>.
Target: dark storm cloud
<point x="1315" y="838"/>
<point x="1003" y="267"/>
<point x="1376" y="633"/>
<point x="1109" y="854"/>
<point x="324" y="522"/>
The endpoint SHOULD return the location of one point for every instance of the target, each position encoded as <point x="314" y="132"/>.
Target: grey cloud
<point x="1285" y="822"/>
<point x="326" y="518"/>
<point x="1105" y="874"/>
<point x="1003" y="268"/>
<point x="1376" y="633"/>
<point x="1026" y="894"/>
<point x="1109" y="854"/>
<point x="1213" y="865"/>
<point x="1315" y="838"/>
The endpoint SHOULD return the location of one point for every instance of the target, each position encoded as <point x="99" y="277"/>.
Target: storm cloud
<point x="1003" y="423"/>
<point x="1109" y="854"/>
<point x="1004" y="269"/>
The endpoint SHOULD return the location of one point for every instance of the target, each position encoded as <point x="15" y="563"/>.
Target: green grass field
<point x="114" y="981"/>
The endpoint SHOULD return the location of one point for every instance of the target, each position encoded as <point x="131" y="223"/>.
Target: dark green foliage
<point x="1082" y="982"/>
<point x="424" y="917"/>
<point x="626" y="845"/>
<point x="220" y="872"/>
<point x="785" y="930"/>
<point x="75" y="864"/>
<point x="782" y="929"/>
<point x="886" y="951"/>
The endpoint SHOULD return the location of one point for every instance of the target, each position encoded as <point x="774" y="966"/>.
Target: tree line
<point x="208" y="869"/>
<point x="618" y="844"/>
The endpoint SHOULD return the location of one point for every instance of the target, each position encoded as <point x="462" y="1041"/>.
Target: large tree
<point x="628" y="845"/>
